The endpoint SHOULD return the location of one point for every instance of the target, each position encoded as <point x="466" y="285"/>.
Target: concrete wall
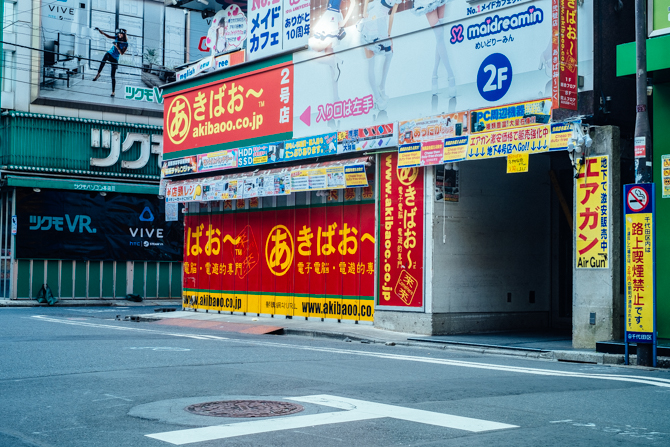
<point x="599" y="290"/>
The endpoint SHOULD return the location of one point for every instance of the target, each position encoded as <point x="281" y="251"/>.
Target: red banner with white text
<point x="401" y="235"/>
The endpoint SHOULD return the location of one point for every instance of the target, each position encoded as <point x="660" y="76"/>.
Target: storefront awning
<point x="338" y="174"/>
<point x="80" y="185"/>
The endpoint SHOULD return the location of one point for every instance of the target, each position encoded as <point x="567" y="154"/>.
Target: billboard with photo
<point x="453" y="57"/>
<point x="134" y="45"/>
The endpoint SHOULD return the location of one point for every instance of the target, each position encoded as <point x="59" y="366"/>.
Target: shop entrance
<point x="503" y="247"/>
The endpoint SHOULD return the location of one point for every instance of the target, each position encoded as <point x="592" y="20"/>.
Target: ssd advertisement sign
<point x="54" y="224"/>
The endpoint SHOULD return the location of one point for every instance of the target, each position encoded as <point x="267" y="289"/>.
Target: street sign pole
<point x="640" y="273"/>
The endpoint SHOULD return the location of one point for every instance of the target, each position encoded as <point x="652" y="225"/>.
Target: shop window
<point x="282" y="200"/>
<point x="268" y="202"/>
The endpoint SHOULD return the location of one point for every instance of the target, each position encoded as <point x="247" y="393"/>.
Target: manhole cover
<point x="244" y="408"/>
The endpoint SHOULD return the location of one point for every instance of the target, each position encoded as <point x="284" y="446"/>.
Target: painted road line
<point x="188" y="436"/>
<point x="125" y="328"/>
<point x="354" y="410"/>
<point x="407" y="414"/>
<point x="645" y="380"/>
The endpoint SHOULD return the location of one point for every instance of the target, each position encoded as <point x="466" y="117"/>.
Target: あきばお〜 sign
<point x="305" y="261"/>
<point x="229" y="110"/>
<point x="401" y="235"/>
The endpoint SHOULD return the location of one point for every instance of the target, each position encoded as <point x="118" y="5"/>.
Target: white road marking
<point x="654" y="381"/>
<point x="407" y="414"/>
<point x="125" y="328"/>
<point x="354" y="410"/>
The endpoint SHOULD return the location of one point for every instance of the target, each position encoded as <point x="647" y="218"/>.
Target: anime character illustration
<point x="434" y="12"/>
<point x="375" y="29"/>
<point x="119" y="47"/>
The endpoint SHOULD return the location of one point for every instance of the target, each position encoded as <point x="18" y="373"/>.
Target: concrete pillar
<point x="599" y="290"/>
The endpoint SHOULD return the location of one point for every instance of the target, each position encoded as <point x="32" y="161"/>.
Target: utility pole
<point x="643" y="153"/>
<point x="643" y="147"/>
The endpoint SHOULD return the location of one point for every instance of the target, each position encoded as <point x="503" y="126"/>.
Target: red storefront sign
<point x="555" y="51"/>
<point x="401" y="235"/>
<point x="313" y="261"/>
<point x="568" y="58"/>
<point x="241" y="107"/>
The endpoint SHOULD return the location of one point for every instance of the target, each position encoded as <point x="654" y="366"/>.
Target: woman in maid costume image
<point x="434" y="12"/>
<point x="119" y="47"/>
<point x="326" y="34"/>
<point x="375" y="29"/>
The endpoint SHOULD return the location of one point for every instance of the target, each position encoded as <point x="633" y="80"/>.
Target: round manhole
<point x="244" y="408"/>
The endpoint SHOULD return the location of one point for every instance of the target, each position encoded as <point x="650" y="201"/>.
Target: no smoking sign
<point x="637" y="199"/>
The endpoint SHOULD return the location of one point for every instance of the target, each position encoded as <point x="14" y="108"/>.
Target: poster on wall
<point x="592" y="194"/>
<point x="109" y="53"/>
<point x="401" y="232"/>
<point x="477" y="56"/>
<point x="57" y="224"/>
<point x="308" y="262"/>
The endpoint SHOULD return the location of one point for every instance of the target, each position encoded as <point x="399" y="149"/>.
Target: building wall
<point x="661" y="139"/>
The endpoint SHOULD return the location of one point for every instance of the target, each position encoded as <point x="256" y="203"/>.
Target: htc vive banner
<point x="55" y="224"/>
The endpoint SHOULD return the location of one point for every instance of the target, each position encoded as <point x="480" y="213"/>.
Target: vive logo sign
<point x="146" y="216"/>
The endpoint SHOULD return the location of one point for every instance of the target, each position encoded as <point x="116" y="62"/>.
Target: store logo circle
<point x="279" y="250"/>
<point x="178" y="119"/>
<point x="407" y="175"/>
<point x="494" y="77"/>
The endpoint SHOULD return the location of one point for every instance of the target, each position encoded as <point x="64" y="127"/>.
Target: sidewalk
<point x="516" y="345"/>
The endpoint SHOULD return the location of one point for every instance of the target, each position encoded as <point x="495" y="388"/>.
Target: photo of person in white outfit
<point x="375" y="29"/>
<point x="434" y="12"/>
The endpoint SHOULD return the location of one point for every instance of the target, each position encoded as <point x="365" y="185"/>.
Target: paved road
<point x="78" y="377"/>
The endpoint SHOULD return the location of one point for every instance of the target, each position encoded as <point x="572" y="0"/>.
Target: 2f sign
<point x="494" y="77"/>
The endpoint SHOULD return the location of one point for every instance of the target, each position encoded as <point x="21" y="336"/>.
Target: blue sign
<point x="494" y="77"/>
<point x="317" y="146"/>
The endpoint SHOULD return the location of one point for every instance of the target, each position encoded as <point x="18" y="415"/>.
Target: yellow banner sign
<point x="592" y="220"/>
<point x="530" y="140"/>
<point x="517" y="163"/>
<point x="639" y="273"/>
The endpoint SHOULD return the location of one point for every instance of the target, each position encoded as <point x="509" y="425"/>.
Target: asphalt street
<point x="80" y="377"/>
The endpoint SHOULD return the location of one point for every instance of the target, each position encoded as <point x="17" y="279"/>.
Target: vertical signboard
<point x="592" y="228"/>
<point x="639" y="236"/>
<point x="568" y="62"/>
<point x="276" y="26"/>
<point x="401" y="236"/>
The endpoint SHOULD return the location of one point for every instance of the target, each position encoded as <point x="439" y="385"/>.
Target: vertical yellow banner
<point x="591" y="226"/>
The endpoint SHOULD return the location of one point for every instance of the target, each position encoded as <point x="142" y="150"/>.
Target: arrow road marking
<point x="355" y="410"/>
